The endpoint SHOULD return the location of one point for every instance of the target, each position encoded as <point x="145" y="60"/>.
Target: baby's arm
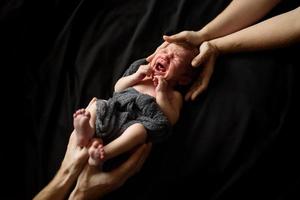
<point x="169" y="104"/>
<point x="128" y="81"/>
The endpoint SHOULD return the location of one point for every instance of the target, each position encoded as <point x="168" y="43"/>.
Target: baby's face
<point x="171" y="61"/>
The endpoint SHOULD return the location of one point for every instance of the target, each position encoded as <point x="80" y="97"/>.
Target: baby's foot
<point x="96" y="152"/>
<point x="84" y="131"/>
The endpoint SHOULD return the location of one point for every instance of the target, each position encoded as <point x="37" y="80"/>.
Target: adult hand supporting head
<point x="191" y="37"/>
<point x="94" y="183"/>
<point x="206" y="58"/>
<point x="194" y="38"/>
<point x="163" y="45"/>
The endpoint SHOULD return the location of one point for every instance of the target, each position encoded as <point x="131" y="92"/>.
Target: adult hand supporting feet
<point x="93" y="183"/>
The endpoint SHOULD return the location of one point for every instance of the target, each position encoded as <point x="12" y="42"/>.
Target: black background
<point x="238" y="140"/>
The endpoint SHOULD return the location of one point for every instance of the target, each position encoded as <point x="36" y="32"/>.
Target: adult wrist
<point x="217" y="45"/>
<point x="204" y="34"/>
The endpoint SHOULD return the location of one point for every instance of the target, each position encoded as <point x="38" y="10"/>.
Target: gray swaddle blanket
<point x="128" y="107"/>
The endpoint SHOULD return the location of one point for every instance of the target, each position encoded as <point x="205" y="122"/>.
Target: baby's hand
<point x="143" y="71"/>
<point x="160" y="83"/>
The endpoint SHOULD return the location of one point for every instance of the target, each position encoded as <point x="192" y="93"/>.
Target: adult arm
<point x="236" y="16"/>
<point x="278" y="31"/>
<point x="73" y="163"/>
<point x="59" y="186"/>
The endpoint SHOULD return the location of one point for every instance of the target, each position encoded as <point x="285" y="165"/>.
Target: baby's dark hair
<point x="192" y="72"/>
<point x="188" y="47"/>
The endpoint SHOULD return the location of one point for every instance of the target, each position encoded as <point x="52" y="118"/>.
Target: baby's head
<point x="173" y="62"/>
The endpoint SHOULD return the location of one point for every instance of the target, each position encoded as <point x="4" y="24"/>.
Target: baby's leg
<point x="92" y="108"/>
<point x="84" y="120"/>
<point x="134" y="135"/>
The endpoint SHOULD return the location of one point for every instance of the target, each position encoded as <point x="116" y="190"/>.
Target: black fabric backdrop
<point x="238" y="140"/>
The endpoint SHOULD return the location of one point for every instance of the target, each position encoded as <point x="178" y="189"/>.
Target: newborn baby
<point x="144" y="106"/>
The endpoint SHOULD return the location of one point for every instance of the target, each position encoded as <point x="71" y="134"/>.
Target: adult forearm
<point x="238" y="15"/>
<point x="58" y="188"/>
<point x="275" y="32"/>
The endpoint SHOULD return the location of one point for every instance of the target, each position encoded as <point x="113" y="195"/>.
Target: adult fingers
<point x="132" y="165"/>
<point x="179" y="37"/>
<point x="201" y="84"/>
<point x="195" y="90"/>
<point x="143" y="157"/>
<point x="163" y="45"/>
<point x="111" y="180"/>
<point x="92" y="183"/>
<point x="206" y="52"/>
<point x="200" y="58"/>
<point x="190" y="37"/>
<point x="96" y="183"/>
<point x="196" y="85"/>
<point x="74" y="155"/>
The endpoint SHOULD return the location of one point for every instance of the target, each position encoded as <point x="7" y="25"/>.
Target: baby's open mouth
<point x="160" y="66"/>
